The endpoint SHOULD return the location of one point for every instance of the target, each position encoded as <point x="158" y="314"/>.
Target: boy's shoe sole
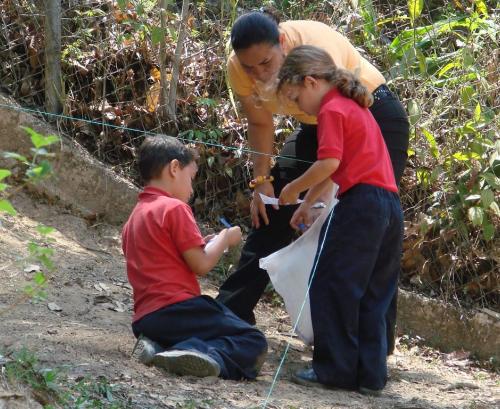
<point x="146" y="349"/>
<point x="191" y="363"/>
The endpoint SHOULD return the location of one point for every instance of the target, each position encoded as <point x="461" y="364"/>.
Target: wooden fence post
<point x="52" y="75"/>
<point x="181" y="35"/>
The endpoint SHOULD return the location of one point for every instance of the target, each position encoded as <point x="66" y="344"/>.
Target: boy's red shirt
<point x="349" y="133"/>
<point x="156" y="234"/>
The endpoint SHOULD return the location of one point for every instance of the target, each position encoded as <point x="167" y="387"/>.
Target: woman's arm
<point x="260" y="139"/>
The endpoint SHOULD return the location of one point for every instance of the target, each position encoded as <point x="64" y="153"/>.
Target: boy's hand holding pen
<point x="232" y="235"/>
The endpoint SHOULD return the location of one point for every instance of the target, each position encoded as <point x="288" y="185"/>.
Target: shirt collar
<point x="333" y="93"/>
<point x="153" y="191"/>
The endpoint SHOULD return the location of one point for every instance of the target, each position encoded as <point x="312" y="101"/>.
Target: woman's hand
<point x="302" y="218"/>
<point x="257" y="207"/>
<point x="289" y="195"/>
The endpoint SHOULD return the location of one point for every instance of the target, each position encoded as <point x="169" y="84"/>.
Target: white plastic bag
<point x="290" y="269"/>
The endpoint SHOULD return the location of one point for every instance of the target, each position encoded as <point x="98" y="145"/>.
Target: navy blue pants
<point x="205" y="325"/>
<point x="354" y="284"/>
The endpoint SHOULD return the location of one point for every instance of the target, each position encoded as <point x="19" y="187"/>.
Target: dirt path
<point x="91" y="334"/>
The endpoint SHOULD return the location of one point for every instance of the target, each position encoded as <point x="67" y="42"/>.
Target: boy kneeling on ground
<point x="179" y="329"/>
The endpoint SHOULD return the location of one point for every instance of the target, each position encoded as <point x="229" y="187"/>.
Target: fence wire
<point x="443" y="63"/>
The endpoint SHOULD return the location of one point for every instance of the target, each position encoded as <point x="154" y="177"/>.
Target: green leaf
<point x="476" y="215"/>
<point x="488" y="230"/>
<point x="206" y="101"/>
<point x="5" y="206"/>
<point x="122" y="4"/>
<point x="157" y="35"/>
<point x="446" y="68"/>
<point x="16" y="156"/>
<point x="487" y="198"/>
<point x="481" y="7"/>
<point x="39" y="278"/>
<point x="414" y="111"/>
<point x="415" y="8"/>
<point x="463" y="157"/>
<point x="44" y="230"/>
<point x="4" y="173"/>
<point x="38" y="139"/>
<point x="468" y="57"/>
<point x="37" y="172"/>
<point x="432" y="143"/>
<point x="424" y="177"/>
<point x="466" y="94"/>
<point x="3" y="186"/>
<point x="477" y="113"/>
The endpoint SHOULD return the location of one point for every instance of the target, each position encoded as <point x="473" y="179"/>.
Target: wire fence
<point x="117" y="60"/>
<point x="442" y="59"/>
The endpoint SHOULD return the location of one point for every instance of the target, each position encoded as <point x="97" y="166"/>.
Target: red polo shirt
<point x="349" y="133"/>
<point x="156" y="234"/>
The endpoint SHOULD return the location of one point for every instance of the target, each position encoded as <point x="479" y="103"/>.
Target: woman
<point x="260" y="45"/>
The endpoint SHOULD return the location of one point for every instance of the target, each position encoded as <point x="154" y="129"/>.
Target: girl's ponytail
<point x="350" y="86"/>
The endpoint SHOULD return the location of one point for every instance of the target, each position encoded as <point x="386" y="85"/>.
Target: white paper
<point x="273" y="200"/>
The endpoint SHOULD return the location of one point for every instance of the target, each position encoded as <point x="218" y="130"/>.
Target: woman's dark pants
<point x="243" y="289"/>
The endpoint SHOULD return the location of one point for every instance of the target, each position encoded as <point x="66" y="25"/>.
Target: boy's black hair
<point x="256" y="27"/>
<point x="158" y="151"/>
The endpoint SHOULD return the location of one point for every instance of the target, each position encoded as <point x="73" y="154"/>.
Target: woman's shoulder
<point x="309" y="28"/>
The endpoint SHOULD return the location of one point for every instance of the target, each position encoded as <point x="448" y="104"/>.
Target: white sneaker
<point x="182" y="362"/>
<point x="146" y="349"/>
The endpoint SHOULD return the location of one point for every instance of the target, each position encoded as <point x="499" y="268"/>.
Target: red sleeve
<point x="183" y="228"/>
<point x="330" y="135"/>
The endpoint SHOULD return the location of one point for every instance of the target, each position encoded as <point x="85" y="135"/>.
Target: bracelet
<point x="318" y="205"/>
<point x="259" y="180"/>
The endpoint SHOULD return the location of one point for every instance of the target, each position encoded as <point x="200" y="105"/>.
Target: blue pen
<point x="225" y="222"/>
<point x="302" y="226"/>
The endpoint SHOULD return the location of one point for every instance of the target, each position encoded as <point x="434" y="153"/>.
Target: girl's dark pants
<point x="202" y="324"/>
<point x="354" y="283"/>
<point x="243" y="289"/>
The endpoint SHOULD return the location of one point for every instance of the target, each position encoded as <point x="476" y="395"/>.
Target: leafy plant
<point x="36" y="168"/>
<point x="51" y="387"/>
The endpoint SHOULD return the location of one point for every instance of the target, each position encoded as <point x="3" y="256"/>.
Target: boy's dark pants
<point x="243" y="289"/>
<point x="205" y="325"/>
<point x="354" y="283"/>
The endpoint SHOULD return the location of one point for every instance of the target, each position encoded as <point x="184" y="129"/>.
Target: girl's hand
<point x="257" y="207"/>
<point x="302" y="217"/>
<point x="288" y="195"/>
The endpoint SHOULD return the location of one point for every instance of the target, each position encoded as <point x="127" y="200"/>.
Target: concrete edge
<point x="447" y="328"/>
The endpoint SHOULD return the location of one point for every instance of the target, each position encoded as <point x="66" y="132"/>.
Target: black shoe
<point x="369" y="392"/>
<point x="307" y="377"/>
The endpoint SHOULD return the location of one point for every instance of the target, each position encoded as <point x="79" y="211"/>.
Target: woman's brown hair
<point x="307" y="60"/>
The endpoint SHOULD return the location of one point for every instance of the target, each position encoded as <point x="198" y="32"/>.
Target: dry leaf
<point x="153" y="97"/>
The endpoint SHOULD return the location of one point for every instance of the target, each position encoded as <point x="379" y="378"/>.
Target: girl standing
<point x="358" y="269"/>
